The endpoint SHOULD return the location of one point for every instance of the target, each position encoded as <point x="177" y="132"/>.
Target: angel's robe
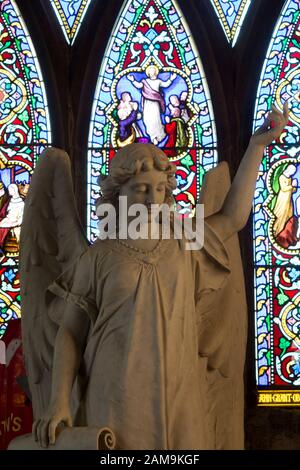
<point x="140" y="371"/>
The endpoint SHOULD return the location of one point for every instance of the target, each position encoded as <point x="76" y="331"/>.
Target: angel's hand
<point x="44" y="430"/>
<point x="272" y="127"/>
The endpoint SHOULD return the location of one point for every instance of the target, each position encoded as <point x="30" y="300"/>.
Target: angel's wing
<point x="51" y="239"/>
<point x="224" y="344"/>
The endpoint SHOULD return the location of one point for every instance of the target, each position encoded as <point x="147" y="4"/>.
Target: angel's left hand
<point x="272" y="127"/>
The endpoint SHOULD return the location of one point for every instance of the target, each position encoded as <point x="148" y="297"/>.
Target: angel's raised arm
<point x="237" y="205"/>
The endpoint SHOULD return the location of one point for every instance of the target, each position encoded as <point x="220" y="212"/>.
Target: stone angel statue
<point x="137" y="335"/>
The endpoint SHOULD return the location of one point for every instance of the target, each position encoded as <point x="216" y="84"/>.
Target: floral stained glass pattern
<point x="276" y="220"/>
<point x="70" y="14"/>
<point x="152" y="88"/>
<point x="231" y="14"/>
<point x="24" y="131"/>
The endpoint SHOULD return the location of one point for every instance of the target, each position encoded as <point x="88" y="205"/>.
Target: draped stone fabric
<point x="222" y="333"/>
<point x="140" y="372"/>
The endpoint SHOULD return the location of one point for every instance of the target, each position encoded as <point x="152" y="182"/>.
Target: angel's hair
<point x="130" y="161"/>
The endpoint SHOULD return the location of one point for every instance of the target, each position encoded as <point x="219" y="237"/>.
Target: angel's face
<point x="147" y="188"/>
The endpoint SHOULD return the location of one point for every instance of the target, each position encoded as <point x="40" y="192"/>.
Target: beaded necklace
<point x="139" y="250"/>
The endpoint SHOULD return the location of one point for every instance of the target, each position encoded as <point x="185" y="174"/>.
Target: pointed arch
<point x="151" y="41"/>
<point x="24" y="131"/>
<point x="231" y="15"/>
<point x="70" y="14"/>
<point x="276" y="226"/>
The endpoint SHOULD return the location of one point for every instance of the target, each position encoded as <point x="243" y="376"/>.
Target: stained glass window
<point x="152" y="88"/>
<point x="276" y="222"/>
<point x="231" y="14"/>
<point x="24" y="131"/>
<point x="70" y="14"/>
